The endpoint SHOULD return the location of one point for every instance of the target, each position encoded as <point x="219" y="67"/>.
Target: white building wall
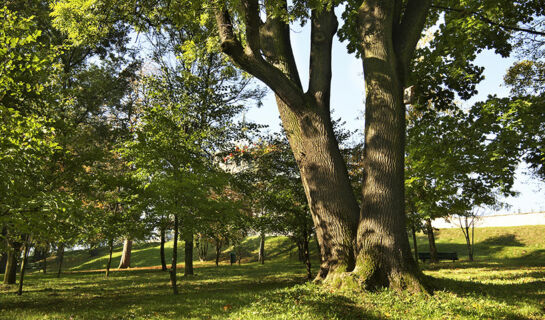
<point x="504" y="220"/>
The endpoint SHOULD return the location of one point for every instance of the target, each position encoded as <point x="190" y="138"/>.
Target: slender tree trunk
<point x="3" y="262"/>
<point x="174" y="257"/>
<point x="188" y="254"/>
<point x="60" y="258"/>
<point x="23" y="266"/>
<point x="415" y="245"/>
<point x="202" y="248"/>
<point x="111" y="249"/>
<point x="10" y="276"/>
<point x="306" y="256"/>
<point x="218" y="251"/>
<point x="162" y="250"/>
<point x="261" y="257"/>
<point x="431" y="240"/>
<point x="44" y="261"/>
<point x="465" y="229"/>
<point x="384" y="254"/>
<point x="125" y="261"/>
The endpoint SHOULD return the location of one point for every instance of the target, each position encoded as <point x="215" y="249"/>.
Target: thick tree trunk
<point x="10" y="276"/>
<point x="384" y="255"/>
<point x="325" y="179"/>
<point x="125" y="261"/>
<point x="308" y="125"/>
<point x="261" y="257"/>
<point x="23" y="266"/>
<point x="60" y="258"/>
<point x="415" y="245"/>
<point x="162" y="251"/>
<point x="188" y="254"/>
<point x="109" y="264"/>
<point x="172" y="270"/>
<point x="431" y="241"/>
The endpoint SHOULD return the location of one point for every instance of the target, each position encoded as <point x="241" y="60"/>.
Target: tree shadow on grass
<point x="215" y="292"/>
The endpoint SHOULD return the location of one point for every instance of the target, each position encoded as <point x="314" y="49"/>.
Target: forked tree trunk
<point x="162" y="251"/>
<point x="109" y="264"/>
<point x="125" y="261"/>
<point x="188" y="254"/>
<point x="10" y="276"/>
<point x="261" y="257"/>
<point x="431" y="240"/>
<point x="384" y="255"/>
<point x="60" y="258"/>
<point x="23" y="266"/>
<point x="172" y="270"/>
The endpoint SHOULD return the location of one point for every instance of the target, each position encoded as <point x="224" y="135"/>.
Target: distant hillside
<point x="506" y="244"/>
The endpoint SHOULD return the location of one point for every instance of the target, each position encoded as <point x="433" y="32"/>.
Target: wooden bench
<point x="440" y="256"/>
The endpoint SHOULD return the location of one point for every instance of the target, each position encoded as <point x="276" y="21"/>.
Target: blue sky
<point x="347" y="101"/>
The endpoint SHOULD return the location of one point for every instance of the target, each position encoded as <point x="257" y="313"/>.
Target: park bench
<point x="440" y="256"/>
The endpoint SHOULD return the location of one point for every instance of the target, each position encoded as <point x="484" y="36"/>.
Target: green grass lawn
<point x="507" y="281"/>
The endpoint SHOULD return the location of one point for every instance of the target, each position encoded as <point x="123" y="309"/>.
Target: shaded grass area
<point x="505" y="284"/>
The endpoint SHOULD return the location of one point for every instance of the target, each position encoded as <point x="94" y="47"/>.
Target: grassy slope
<point x="506" y="282"/>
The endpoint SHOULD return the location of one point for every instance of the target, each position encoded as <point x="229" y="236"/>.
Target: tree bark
<point x="188" y="254"/>
<point x="162" y="251"/>
<point x="125" y="261"/>
<point x="109" y="264"/>
<point x="384" y="255"/>
<point x="60" y="258"/>
<point x="261" y="257"/>
<point x="172" y="270"/>
<point x="431" y="240"/>
<point x="23" y="266"/>
<point x="10" y="276"/>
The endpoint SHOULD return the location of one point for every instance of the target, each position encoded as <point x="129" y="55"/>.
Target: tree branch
<point x="253" y="24"/>
<point x="408" y="33"/>
<point x="482" y="17"/>
<point x="254" y="64"/>
<point x="323" y="27"/>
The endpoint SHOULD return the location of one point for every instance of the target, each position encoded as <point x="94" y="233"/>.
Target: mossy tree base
<point x="370" y="275"/>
